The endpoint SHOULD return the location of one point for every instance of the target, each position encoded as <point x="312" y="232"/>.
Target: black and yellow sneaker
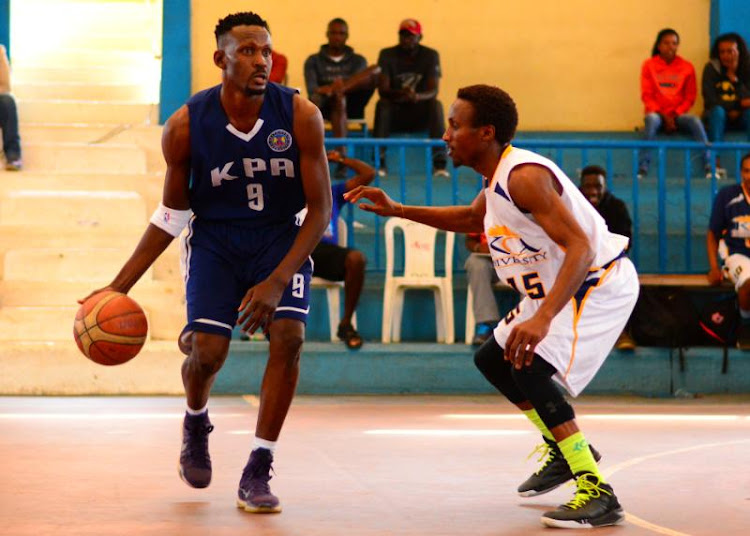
<point x="554" y="472"/>
<point x="594" y="505"/>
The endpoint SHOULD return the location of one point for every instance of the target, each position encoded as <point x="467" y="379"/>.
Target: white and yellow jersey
<point x="523" y="255"/>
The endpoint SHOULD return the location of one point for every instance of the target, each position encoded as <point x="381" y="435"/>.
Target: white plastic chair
<point x="333" y="289"/>
<point x="419" y="272"/>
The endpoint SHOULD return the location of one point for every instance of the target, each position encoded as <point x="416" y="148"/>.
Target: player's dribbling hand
<point x="259" y="305"/>
<point x="522" y="341"/>
<point x="96" y="292"/>
<point x="382" y="205"/>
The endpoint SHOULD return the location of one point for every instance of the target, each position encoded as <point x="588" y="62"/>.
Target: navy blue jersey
<point x="730" y="219"/>
<point x="247" y="178"/>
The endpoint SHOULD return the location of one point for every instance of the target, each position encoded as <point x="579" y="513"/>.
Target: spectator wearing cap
<point x="408" y="91"/>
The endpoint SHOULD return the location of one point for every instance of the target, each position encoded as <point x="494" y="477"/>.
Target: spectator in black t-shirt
<point x="615" y="213"/>
<point x="339" y="81"/>
<point x="408" y="91"/>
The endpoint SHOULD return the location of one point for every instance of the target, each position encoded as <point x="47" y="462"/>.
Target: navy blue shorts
<point x="221" y="261"/>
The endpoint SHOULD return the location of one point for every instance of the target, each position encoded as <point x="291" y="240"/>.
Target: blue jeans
<point x="717" y="123"/>
<point x="685" y="122"/>
<point x="9" y="125"/>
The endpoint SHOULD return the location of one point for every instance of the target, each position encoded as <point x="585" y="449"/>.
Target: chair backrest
<point x="343" y="231"/>
<point x="419" y="244"/>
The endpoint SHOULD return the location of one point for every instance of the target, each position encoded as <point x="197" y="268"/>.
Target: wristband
<point x="170" y="220"/>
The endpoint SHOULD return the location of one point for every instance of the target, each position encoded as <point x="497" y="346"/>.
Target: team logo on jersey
<point x="279" y="140"/>
<point x="508" y="248"/>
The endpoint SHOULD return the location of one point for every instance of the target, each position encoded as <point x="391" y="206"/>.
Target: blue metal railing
<point x="616" y="155"/>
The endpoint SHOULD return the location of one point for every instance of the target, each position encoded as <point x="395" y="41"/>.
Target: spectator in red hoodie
<point x="668" y="91"/>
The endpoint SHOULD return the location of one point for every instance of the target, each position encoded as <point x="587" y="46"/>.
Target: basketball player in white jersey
<point x="550" y="244"/>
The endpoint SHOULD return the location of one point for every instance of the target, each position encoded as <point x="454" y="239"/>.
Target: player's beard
<point x="250" y="92"/>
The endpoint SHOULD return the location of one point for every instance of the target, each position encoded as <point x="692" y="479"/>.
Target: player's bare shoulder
<point x="175" y="138"/>
<point x="308" y="121"/>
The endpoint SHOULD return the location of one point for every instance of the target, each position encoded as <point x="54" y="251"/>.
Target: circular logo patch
<point x="279" y="140"/>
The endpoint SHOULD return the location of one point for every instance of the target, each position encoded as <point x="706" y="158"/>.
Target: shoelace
<point x="258" y="475"/>
<point x="196" y="446"/>
<point x="544" y="450"/>
<point x="586" y="491"/>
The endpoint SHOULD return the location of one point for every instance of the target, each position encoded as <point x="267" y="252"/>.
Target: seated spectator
<point x="279" y="65"/>
<point x="730" y="221"/>
<point x="726" y="87"/>
<point x="9" y="117"/>
<point x="593" y="185"/>
<point x="481" y="275"/>
<point x="408" y="91"/>
<point x="339" y="81"/>
<point x="337" y="263"/>
<point x="668" y="91"/>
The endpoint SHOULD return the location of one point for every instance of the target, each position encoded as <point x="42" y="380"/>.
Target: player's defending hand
<point x="715" y="276"/>
<point x="382" y="205"/>
<point x="259" y="305"/>
<point x="523" y="339"/>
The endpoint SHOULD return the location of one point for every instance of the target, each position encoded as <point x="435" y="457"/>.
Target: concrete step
<point x="85" y="111"/>
<point x="85" y="56"/>
<point x="17" y="237"/>
<point x="112" y="74"/>
<point x="71" y="208"/>
<point x="149" y="293"/>
<point x="58" y="368"/>
<point x="163" y="301"/>
<point x="95" y="265"/>
<point x="42" y="90"/>
<point x="144" y="184"/>
<point x="55" y="323"/>
<point x="84" y="158"/>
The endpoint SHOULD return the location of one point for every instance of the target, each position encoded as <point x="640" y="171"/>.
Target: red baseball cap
<point x="410" y="25"/>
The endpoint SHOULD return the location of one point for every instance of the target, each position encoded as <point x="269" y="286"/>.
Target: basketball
<point x="110" y="328"/>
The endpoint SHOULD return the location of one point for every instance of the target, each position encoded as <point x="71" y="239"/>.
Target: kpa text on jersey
<point x="251" y="166"/>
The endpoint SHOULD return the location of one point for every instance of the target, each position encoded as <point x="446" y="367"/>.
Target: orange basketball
<point x="110" y="328"/>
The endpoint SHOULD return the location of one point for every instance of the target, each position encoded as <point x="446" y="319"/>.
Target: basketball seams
<point x="100" y="339"/>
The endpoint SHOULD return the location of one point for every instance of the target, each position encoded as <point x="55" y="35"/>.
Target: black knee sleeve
<point x="491" y="363"/>
<point x="537" y="386"/>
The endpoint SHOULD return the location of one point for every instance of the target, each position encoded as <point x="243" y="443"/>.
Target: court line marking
<point x="253" y="400"/>
<point x="105" y="416"/>
<point x="657" y="417"/>
<point x="633" y="461"/>
<point x="444" y="432"/>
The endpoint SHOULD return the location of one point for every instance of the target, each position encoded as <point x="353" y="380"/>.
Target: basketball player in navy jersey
<point x="242" y="159"/>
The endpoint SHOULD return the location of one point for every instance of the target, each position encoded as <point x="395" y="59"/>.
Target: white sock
<point x="260" y="443"/>
<point x="191" y="411"/>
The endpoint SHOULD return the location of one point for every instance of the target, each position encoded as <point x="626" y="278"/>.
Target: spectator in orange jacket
<point x="668" y="91"/>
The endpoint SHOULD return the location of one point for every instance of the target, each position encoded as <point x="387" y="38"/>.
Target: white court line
<point x="104" y="416"/>
<point x="445" y="433"/>
<point x="633" y="461"/>
<point x="657" y="417"/>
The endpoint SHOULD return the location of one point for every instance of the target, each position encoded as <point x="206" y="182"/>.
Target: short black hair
<point x="745" y="157"/>
<point x="243" y="18"/>
<point x="594" y="170"/>
<point x="659" y="36"/>
<point x="338" y="20"/>
<point x="492" y="106"/>
<point x="743" y="68"/>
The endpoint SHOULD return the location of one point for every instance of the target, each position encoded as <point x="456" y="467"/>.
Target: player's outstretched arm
<point x="460" y="219"/>
<point x="175" y="205"/>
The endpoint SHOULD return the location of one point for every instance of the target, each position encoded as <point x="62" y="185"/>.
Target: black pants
<point x="411" y="117"/>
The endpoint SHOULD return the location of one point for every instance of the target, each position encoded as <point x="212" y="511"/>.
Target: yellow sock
<point x="577" y="453"/>
<point x="533" y="416"/>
